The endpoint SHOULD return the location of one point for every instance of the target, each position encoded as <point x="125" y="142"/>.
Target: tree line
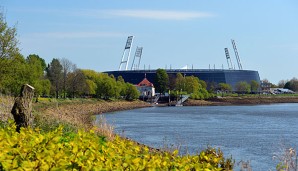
<point x="289" y="84"/>
<point x="199" y="89"/>
<point x="181" y="84"/>
<point x="60" y="78"/>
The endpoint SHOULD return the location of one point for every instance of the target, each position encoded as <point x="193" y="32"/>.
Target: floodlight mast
<point x="236" y="54"/>
<point x="126" y="48"/>
<point x="229" y="61"/>
<point x="138" y="54"/>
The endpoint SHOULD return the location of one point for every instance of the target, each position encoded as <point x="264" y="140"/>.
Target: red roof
<point x="145" y="82"/>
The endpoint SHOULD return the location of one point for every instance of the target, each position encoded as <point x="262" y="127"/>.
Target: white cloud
<point x="130" y="13"/>
<point x="62" y="35"/>
<point x="158" y="14"/>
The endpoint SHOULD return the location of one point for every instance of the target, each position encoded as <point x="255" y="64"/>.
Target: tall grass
<point x="287" y="158"/>
<point x="6" y="104"/>
<point x="104" y="128"/>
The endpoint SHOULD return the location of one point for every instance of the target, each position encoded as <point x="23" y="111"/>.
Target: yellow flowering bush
<point x="35" y="150"/>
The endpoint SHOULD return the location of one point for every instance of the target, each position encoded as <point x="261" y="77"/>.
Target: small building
<point x="146" y="88"/>
<point x="265" y="87"/>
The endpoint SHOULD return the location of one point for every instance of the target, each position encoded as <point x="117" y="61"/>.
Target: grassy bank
<point x="79" y="112"/>
<point x="73" y="114"/>
<point x="64" y="138"/>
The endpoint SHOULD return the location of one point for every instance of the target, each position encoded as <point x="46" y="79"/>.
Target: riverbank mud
<point x="242" y="100"/>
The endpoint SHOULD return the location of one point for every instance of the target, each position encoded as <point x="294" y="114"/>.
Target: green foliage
<point x="180" y="82"/>
<point x="36" y="67"/>
<point x="90" y="87"/>
<point x="193" y="86"/>
<point x="35" y="150"/>
<point x="201" y="94"/>
<point x="8" y="39"/>
<point x="131" y="92"/>
<point x="54" y="73"/>
<point x="161" y="81"/>
<point x="255" y="86"/>
<point x="76" y="83"/>
<point x="107" y="87"/>
<point x="242" y="87"/>
<point x="292" y="84"/>
<point x="35" y="58"/>
<point x="92" y="78"/>
<point x="203" y="84"/>
<point x="45" y="87"/>
<point x="14" y="69"/>
<point x="14" y="75"/>
<point x="224" y="87"/>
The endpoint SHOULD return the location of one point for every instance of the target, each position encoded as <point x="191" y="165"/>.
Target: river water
<point x="248" y="133"/>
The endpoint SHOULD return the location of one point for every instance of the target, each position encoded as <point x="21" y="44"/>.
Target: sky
<point x="92" y="34"/>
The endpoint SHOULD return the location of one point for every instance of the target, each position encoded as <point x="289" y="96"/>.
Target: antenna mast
<point x="236" y="54"/>
<point x="127" y="48"/>
<point x="229" y="61"/>
<point x="138" y="54"/>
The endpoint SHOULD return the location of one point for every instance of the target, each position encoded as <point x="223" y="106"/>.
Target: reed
<point x="104" y="128"/>
<point x="287" y="158"/>
<point x="6" y="103"/>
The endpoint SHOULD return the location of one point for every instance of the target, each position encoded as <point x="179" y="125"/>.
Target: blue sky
<point x="93" y="33"/>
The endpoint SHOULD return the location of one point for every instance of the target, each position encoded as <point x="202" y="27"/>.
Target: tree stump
<point x="22" y="107"/>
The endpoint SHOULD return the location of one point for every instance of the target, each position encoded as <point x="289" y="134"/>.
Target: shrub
<point x="35" y="150"/>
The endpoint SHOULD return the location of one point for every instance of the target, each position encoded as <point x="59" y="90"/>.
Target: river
<point x="248" y="133"/>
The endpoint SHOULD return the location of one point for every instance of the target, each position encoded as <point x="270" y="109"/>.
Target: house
<point x="265" y="86"/>
<point x="146" y="88"/>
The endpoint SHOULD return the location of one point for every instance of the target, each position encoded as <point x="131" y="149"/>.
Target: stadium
<point x="231" y="76"/>
<point x="211" y="77"/>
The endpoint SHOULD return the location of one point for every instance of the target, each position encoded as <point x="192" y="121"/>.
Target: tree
<point x="120" y="79"/>
<point x="172" y="81"/>
<point x="255" y="86"/>
<point x="131" y="92"/>
<point x="203" y="83"/>
<point x="15" y="75"/>
<point x="45" y="87"/>
<point x="224" y="87"/>
<point x="121" y="85"/>
<point x="67" y="66"/>
<point x="92" y="80"/>
<point x="292" y="84"/>
<point x="242" y="87"/>
<point x="35" y="69"/>
<point x="282" y="83"/>
<point x="76" y="83"/>
<point x="192" y="84"/>
<point x="10" y="59"/>
<point x="54" y="73"/>
<point x="8" y="39"/>
<point x="90" y="88"/>
<point x="107" y="87"/>
<point x="269" y="84"/>
<point x="33" y="57"/>
<point x="180" y="82"/>
<point x="161" y="81"/>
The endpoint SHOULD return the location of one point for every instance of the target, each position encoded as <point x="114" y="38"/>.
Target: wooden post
<point x="22" y="107"/>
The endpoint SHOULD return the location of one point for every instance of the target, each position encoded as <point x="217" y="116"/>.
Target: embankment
<point x="80" y="113"/>
<point x="245" y="100"/>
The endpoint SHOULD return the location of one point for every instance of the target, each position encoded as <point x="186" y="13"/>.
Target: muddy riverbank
<point x="242" y="100"/>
